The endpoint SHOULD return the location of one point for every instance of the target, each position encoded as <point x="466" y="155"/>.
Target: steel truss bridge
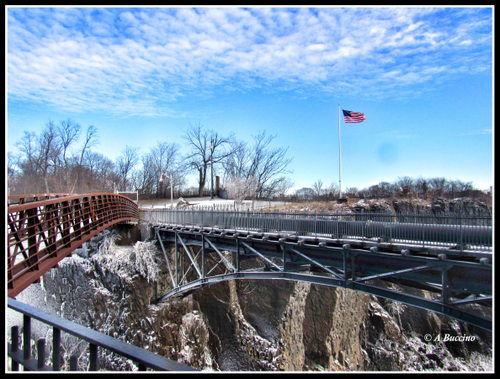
<point x="450" y="258"/>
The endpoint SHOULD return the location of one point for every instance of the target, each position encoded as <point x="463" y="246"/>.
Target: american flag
<point x="352" y="117"/>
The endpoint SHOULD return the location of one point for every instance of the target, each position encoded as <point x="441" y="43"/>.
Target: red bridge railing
<point x="45" y="228"/>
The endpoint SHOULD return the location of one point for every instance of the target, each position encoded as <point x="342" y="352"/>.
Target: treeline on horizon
<point x="54" y="161"/>
<point x="402" y="187"/>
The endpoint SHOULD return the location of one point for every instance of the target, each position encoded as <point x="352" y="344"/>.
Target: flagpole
<point x="340" y="160"/>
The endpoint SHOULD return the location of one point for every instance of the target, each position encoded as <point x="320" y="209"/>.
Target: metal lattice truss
<point x="197" y="257"/>
<point x="43" y="229"/>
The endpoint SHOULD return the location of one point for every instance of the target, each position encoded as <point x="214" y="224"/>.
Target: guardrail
<point x="144" y="358"/>
<point x="452" y="230"/>
<point x="45" y="228"/>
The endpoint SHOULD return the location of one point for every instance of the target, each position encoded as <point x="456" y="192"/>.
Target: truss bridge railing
<point x="454" y="231"/>
<point x="43" y="229"/>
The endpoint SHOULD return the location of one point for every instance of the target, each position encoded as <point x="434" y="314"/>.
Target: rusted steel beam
<point x="28" y="198"/>
<point x="42" y="233"/>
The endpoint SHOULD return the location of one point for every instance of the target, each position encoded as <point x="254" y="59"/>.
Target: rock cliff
<point x="466" y="206"/>
<point x="253" y="325"/>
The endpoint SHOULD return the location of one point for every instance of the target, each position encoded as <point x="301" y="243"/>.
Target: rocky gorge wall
<point x="465" y="206"/>
<point x="247" y="325"/>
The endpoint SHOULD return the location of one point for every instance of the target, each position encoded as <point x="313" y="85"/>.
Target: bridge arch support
<point x="197" y="257"/>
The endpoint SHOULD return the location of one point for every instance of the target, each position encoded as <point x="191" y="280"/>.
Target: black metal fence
<point x="449" y="230"/>
<point x="144" y="358"/>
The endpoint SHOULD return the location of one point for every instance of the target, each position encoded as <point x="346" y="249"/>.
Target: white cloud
<point x="84" y="58"/>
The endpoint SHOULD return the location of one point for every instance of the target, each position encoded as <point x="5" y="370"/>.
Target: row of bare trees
<point x="420" y="188"/>
<point x="48" y="163"/>
<point x="56" y="160"/>
<point x="405" y="187"/>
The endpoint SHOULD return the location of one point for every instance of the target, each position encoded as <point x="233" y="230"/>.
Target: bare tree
<point x="262" y="162"/>
<point x="467" y="188"/>
<point x="27" y="146"/>
<point x="333" y="190"/>
<point x="164" y="159"/>
<point x="207" y="147"/>
<point x="421" y="186"/>
<point x="125" y="164"/>
<point x="90" y="140"/>
<point x="48" y="152"/>
<point x="352" y="192"/>
<point x="11" y="172"/>
<point x="238" y="163"/>
<point x="304" y="194"/>
<point x="240" y="189"/>
<point x="438" y="186"/>
<point x="158" y="166"/>
<point x="459" y="188"/>
<point x="279" y="187"/>
<point x="381" y="190"/>
<point x="318" y="187"/>
<point x="268" y="164"/>
<point x="26" y="161"/>
<point x="405" y="185"/>
<point x="69" y="132"/>
<point x="146" y="179"/>
<point x="100" y="173"/>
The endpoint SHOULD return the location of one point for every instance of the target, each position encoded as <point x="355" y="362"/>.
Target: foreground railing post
<point x="444" y="280"/>
<point x="94" y="362"/>
<point x="422" y="224"/>
<point x="14" y="335"/>
<point x="41" y="353"/>
<point x="73" y="363"/>
<point x="461" y="241"/>
<point x="56" y="349"/>
<point x="26" y="337"/>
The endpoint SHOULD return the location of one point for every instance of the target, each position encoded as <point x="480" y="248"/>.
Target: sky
<point x="423" y="77"/>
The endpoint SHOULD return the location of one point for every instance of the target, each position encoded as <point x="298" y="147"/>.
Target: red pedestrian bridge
<point x="45" y="228"/>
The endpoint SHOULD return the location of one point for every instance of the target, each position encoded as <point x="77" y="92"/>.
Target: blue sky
<point x="422" y="76"/>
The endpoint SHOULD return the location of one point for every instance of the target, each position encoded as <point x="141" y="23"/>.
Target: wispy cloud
<point x="139" y="61"/>
<point x="486" y="131"/>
